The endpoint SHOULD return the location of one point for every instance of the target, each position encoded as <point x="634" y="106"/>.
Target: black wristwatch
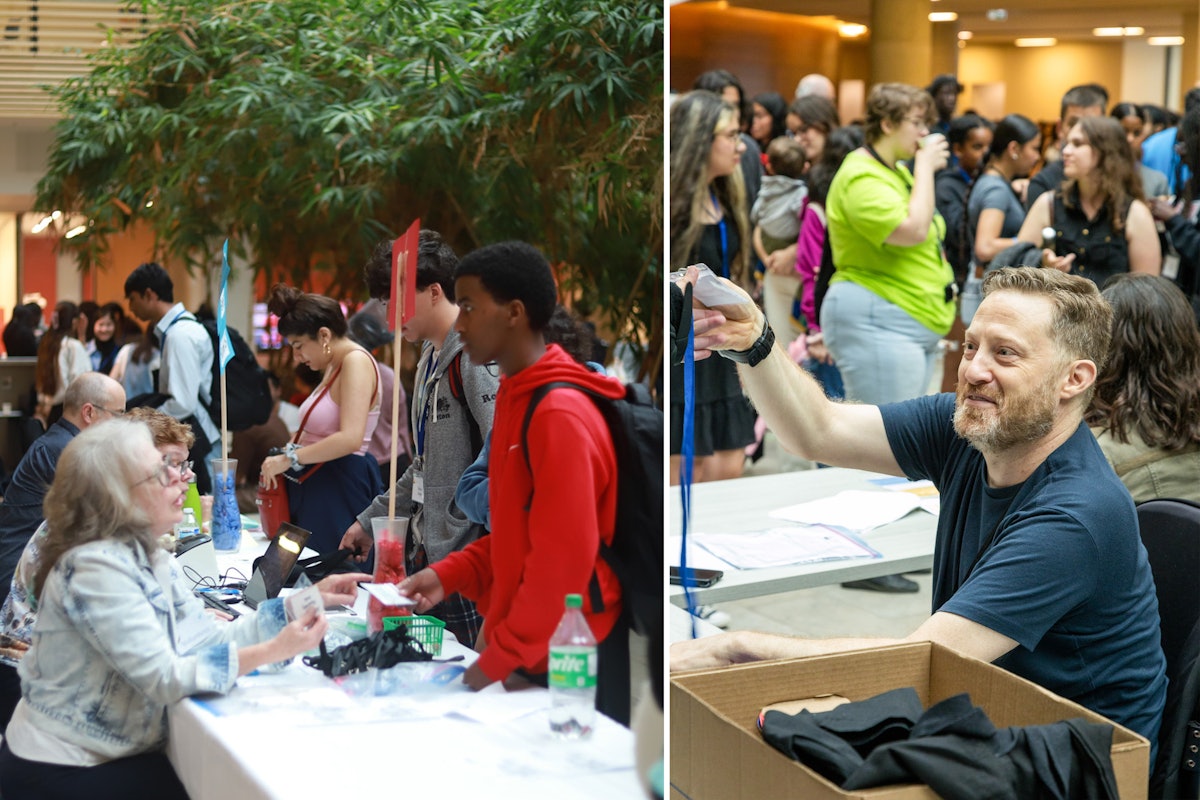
<point x="757" y="352"/>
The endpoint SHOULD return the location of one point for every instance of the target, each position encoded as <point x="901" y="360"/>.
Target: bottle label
<point x="572" y="669"/>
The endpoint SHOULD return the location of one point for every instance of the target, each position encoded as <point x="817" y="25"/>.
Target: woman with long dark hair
<point x="107" y="334"/>
<point x="1146" y="409"/>
<point x="61" y="359"/>
<point x="994" y="209"/>
<point x="768" y="115"/>
<point x="1101" y="226"/>
<point x="709" y="224"/>
<point x="331" y="476"/>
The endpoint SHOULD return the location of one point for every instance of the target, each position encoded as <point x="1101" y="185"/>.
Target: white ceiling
<point x="1066" y="20"/>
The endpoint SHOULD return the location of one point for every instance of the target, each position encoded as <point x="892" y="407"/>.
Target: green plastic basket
<point x="426" y="630"/>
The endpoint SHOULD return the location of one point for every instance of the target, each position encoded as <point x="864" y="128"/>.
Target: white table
<point x="744" y="504"/>
<point x="296" y="734"/>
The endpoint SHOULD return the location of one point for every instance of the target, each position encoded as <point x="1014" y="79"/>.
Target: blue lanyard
<point x="724" y="240"/>
<point x="430" y="369"/>
<point x="687" y="454"/>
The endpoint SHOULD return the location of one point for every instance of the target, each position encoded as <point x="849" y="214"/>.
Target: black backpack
<point x="636" y="552"/>
<point x="246" y="383"/>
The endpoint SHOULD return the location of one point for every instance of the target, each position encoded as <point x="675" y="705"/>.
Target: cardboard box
<point x="717" y="752"/>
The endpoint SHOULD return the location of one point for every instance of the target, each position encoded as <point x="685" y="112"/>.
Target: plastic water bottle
<point x="572" y="679"/>
<point x="186" y="527"/>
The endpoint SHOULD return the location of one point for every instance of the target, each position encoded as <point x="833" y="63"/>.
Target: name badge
<point x="418" y="488"/>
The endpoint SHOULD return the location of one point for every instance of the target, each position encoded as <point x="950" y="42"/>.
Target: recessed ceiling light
<point x="997" y="14"/>
<point x="964" y="35"/>
<point x="942" y="16"/>
<point x="1164" y="41"/>
<point x="1129" y="30"/>
<point x="850" y="30"/>
<point x="1037" y="41"/>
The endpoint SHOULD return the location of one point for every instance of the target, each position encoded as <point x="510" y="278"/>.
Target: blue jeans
<point x="884" y="354"/>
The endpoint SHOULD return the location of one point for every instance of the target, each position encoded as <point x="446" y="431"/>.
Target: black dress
<point x="724" y="417"/>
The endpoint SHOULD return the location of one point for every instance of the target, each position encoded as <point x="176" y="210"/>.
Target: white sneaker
<point x="713" y="616"/>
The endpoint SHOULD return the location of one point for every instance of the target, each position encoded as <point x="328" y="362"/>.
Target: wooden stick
<point x="396" y="388"/>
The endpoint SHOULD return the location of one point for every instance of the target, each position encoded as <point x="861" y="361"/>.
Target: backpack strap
<point x="454" y="373"/>
<point x="595" y="596"/>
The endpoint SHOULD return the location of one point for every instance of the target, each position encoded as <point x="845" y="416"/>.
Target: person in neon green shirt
<point x="891" y="299"/>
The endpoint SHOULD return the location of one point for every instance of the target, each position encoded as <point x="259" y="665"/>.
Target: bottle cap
<point x="574" y="601"/>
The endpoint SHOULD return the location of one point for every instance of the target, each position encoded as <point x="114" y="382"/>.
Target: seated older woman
<point x="119" y="635"/>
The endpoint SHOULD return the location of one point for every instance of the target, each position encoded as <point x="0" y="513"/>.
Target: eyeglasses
<point x="733" y="135"/>
<point x="163" y="472"/>
<point x="116" y="412"/>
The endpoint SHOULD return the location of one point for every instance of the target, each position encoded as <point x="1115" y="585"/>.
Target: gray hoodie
<point x="438" y="522"/>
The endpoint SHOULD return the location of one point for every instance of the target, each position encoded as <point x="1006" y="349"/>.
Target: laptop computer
<point x="273" y="569"/>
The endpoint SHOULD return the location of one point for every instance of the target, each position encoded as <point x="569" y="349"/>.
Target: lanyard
<point x="426" y="383"/>
<point x="724" y="237"/>
<point x="687" y="452"/>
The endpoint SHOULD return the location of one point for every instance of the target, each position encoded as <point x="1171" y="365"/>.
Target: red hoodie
<point x="538" y="552"/>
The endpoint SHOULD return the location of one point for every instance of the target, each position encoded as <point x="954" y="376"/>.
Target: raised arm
<point x="915" y="227"/>
<point x="793" y="404"/>
<point x="1145" y="252"/>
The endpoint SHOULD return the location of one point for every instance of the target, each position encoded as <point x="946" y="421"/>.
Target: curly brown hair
<point x="1151" y="385"/>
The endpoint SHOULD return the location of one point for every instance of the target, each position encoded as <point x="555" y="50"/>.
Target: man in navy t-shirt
<point x="1038" y="565"/>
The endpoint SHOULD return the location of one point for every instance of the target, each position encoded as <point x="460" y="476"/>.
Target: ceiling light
<point x="78" y="229"/>
<point x="849" y="30"/>
<point x="997" y="14"/>
<point x="964" y="35"/>
<point x="1164" y="41"/>
<point x="1037" y="41"/>
<point x="1129" y="30"/>
<point x="942" y="16"/>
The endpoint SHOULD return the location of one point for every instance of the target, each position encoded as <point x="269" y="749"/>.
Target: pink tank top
<point x="325" y="418"/>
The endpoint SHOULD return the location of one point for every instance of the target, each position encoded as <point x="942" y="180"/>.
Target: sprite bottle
<point x="572" y="678"/>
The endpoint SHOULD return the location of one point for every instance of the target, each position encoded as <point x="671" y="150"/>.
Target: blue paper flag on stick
<point x="223" y="334"/>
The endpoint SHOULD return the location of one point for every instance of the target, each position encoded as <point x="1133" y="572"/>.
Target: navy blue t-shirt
<point x="1066" y="575"/>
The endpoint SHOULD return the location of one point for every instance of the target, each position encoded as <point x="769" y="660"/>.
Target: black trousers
<point x="10" y="694"/>
<point x="145" y="775"/>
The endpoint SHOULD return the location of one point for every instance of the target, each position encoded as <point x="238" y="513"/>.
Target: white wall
<point x="1144" y="77"/>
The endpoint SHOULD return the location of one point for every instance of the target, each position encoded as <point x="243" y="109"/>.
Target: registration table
<point x="297" y="733"/>
<point x="744" y="505"/>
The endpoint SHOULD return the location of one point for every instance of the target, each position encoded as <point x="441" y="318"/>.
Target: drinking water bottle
<point x="572" y="679"/>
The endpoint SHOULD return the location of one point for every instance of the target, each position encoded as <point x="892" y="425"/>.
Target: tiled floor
<point x="828" y="611"/>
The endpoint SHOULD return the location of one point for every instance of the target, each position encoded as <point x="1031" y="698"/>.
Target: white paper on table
<point x="697" y="558"/>
<point x="854" y="509"/>
<point x="495" y="705"/>
<point x="782" y="547"/>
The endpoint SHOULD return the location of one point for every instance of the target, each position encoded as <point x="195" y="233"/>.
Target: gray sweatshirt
<point x="439" y="522"/>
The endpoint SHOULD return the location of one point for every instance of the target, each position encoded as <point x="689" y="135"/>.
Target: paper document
<point x="782" y="547"/>
<point x="854" y="509"/>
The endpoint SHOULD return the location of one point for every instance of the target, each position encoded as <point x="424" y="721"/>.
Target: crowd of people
<point x="85" y="684"/>
<point x="1071" y="258"/>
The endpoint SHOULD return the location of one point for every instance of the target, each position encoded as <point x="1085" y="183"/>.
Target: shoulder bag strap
<point x="296" y="438"/>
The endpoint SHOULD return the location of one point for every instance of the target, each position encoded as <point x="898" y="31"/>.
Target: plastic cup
<point x="226" y="518"/>
<point x="390" y="537"/>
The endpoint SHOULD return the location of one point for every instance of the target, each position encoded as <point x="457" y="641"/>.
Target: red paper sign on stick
<point x="403" y="300"/>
